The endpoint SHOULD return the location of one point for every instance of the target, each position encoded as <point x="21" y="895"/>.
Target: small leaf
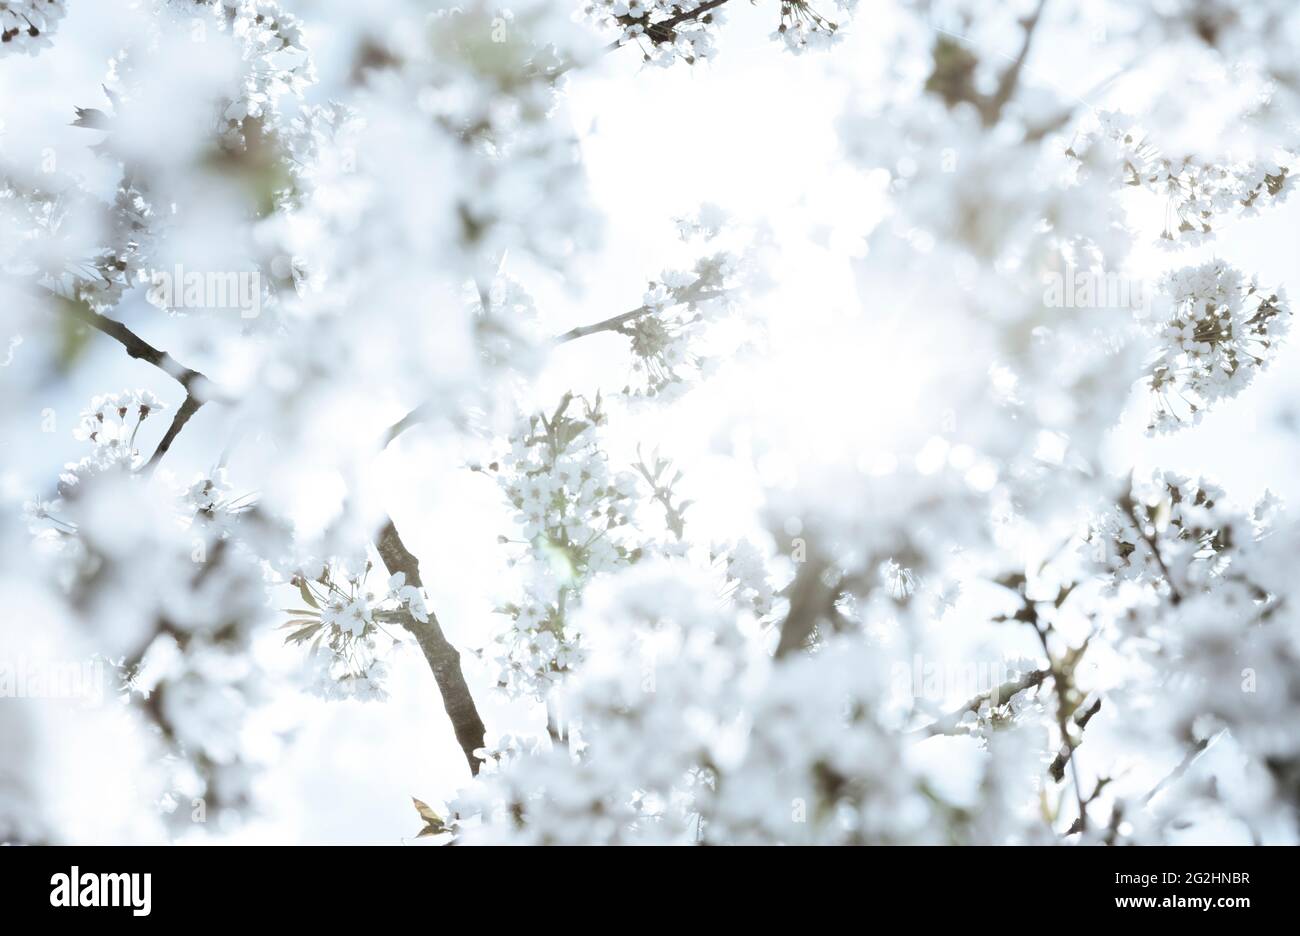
<point x="433" y="824"/>
<point x="427" y="814"/>
<point x="302" y="635"/>
<point x="306" y="594"/>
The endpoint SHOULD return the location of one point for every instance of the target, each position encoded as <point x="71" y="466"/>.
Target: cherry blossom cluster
<point x="746" y="750"/>
<point x="183" y="657"/>
<point x="574" y="517"/>
<point x="669" y="330"/>
<point x="1222" y="331"/>
<point x="670" y="306"/>
<point x="1198" y="193"/>
<point x="27" y="25"/>
<point x="1212" y="632"/>
<point x="347" y="628"/>
<point x="40" y="226"/>
<point x="665" y="30"/>
<point x="803" y="28"/>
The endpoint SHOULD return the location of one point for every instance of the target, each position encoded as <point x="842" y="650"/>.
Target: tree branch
<point x="189" y="406"/>
<point x="198" y="388"/>
<point x="660" y="32"/>
<point x="991" y="109"/>
<point x="948" y="723"/>
<point x="1081" y="718"/>
<point x="665" y="30"/>
<point x="1192" y="755"/>
<point x="614" y="324"/>
<point x="811" y="600"/>
<point x="1130" y="507"/>
<point x="442" y="657"/>
<point x="194" y="382"/>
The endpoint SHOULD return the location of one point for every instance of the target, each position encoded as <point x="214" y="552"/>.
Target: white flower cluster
<point x="803" y="28"/>
<point x="110" y="425"/>
<point x="574" y="515"/>
<point x="496" y="103"/>
<point x="184" y="654"/>
<point x="344" y="624"/>
<point x="41" y="236"/>
<point x="661" y="335"/>
<point x="277" y="61"/>
<point x="748" y="576"/>
<point x="27" y="25"/>
<point x="1169" y="528"/>
<point x="1222" y="649"/>
<point x="661" y="659"/>
<point x="669" y="331"/>
<point x="745" y="749"/>
<point x="672" y="30"/>
<point x="114" y="419"/>
<point x="506" y="326"/>
<point x="1222" y="330"/>
<point x="1197" y="192"/>
<point x="665" y="30"/>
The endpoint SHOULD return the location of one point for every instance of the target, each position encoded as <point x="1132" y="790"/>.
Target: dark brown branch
<point x="660" y="32"/>
<point x="188" y="408"/>
<point x="442" y="657"/>
<point x="198" y="389"/>
<point x="194" y="382"/>
<point x="1130" y="507"/>
<point x="1081" y="718"/>
<point x="1062" y="671"/>
<point x="666" y="30"/>
<point x="991" y="108"/>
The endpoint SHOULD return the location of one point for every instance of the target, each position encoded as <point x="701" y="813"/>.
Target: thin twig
<point x="1127" y="502"/>
<point x="188" y="408"/>
<point x="198" y="388"/>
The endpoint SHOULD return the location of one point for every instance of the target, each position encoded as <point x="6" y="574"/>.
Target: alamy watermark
<point x="210" y="291"/>
<point x="1094" y="289"/>
<point x="78" y="889"/>
<point x="53" y="679"/>
<point x="946" y="682"/>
